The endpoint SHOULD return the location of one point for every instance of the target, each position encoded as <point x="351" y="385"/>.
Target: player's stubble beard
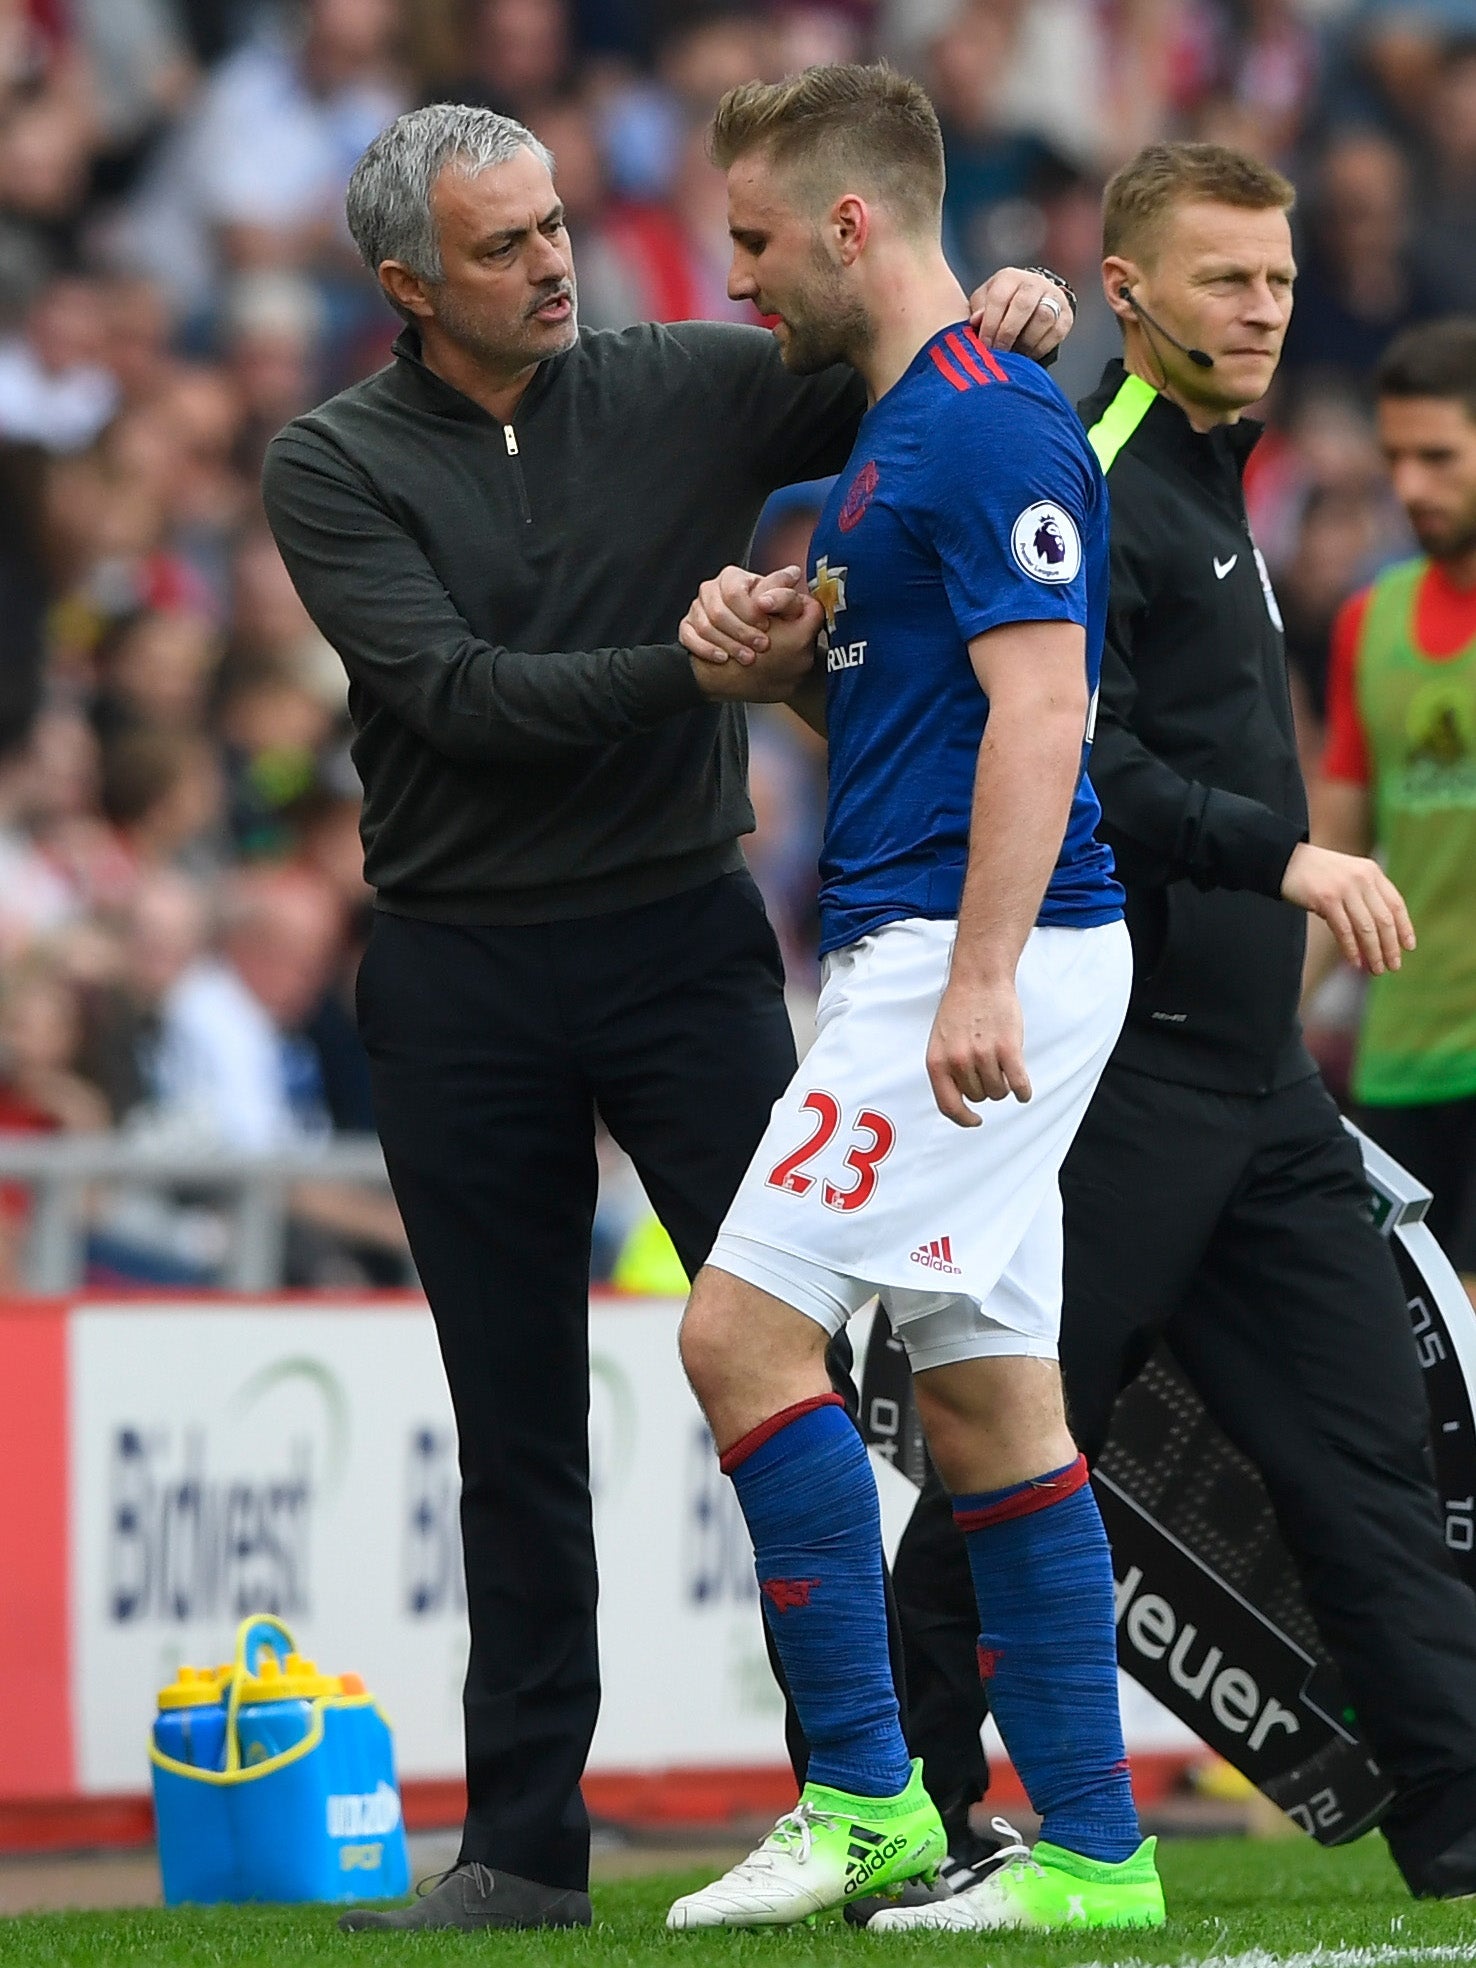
<point x="1447" y="539"/>
<point x="827" y="323"/>
<point x="521" y="342"/>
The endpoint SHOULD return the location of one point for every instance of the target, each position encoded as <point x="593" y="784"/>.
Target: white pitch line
<point x="1388" y="1955"/>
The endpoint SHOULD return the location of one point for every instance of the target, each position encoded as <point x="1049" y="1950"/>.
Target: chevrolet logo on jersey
<point x="829" y="589"/>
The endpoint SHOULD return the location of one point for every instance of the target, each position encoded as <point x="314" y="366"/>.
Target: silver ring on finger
<point x="1045" y="301"/>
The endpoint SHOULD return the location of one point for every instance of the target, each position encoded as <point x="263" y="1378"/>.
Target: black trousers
<point x="1232" y="1227"/>
<point x="490" y="1049"/>
<point x="1436" y="1142"/>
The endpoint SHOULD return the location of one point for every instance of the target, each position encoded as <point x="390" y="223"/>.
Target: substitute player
<point x="975" y="951"/>
<point x="1399" y="777"/>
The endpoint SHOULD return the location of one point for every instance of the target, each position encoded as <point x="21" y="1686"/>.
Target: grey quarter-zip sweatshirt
<point x="505" y="598"/>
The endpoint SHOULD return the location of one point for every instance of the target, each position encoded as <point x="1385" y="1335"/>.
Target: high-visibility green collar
<point x="1120" y="419"/>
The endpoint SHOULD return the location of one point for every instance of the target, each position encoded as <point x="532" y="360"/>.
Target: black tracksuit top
<point x="505" y="599"/>
<point x="1195" y="755"/>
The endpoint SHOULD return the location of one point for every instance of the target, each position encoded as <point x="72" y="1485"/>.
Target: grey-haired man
<point x="500" y="533"/>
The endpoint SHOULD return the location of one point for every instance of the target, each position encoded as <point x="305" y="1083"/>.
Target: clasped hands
<point x="752" y="636"/>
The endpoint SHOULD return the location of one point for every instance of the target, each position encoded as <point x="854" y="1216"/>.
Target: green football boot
<point x="1040" y="1889"/>
<point x="830" y="1849"/>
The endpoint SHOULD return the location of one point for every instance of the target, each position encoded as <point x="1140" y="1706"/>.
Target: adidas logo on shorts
<point x="937" y="1256"/>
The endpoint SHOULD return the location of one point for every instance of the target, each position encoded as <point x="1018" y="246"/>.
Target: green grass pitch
<point x="1232" y="1904"/>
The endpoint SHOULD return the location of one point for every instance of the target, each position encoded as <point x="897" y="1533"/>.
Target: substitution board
<point x="1211" y="1618"/>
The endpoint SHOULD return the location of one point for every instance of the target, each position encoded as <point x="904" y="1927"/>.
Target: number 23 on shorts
<point x="863" y="1157"/>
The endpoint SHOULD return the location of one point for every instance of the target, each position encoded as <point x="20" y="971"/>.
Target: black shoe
<point x="1431" y="1834"/>
<point x="972" y="1856"/>
<point x="472" y="1896"/>
<point x="1450" y="1875"/>
<point x="913" y="1893"/>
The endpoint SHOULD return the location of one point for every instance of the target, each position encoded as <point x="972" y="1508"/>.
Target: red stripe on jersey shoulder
<point x="946" y="368"/>
<point x="987" y="356"/>
<point x="968" y="357"/>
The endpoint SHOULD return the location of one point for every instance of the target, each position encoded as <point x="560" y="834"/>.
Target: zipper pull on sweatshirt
<point x="510" y="439"/>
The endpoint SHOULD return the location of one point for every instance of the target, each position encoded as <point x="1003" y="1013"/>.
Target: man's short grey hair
<point x="389" y="212"/>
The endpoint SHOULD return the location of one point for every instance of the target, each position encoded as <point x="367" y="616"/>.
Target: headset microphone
<point x="1196" y="355"/>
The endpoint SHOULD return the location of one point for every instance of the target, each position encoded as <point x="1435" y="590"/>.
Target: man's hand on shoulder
<point x="752" y="636"/>
<point x="1357" y="901"/>
<point x="1021" y="310"/>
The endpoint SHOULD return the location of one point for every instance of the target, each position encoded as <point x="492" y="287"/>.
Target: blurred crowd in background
<point x="181" y="903"/>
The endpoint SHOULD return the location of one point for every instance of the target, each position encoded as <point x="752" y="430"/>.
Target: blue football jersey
<point x="971" y="499"/>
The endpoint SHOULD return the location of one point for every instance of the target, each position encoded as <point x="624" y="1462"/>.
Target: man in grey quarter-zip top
<point x="500" y="534"/>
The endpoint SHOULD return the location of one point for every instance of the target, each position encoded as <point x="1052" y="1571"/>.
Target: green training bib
<point x="1418" y="1042"/>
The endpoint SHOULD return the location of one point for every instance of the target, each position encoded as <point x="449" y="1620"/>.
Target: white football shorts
<point x="862" y="1186"/>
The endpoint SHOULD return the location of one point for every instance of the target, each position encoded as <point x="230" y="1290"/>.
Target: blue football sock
<point x="809" y="1498"/>
<point x="1048" y="1654"/>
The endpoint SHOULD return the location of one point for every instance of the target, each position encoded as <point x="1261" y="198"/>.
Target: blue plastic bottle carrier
<point x="275" y="1782"/>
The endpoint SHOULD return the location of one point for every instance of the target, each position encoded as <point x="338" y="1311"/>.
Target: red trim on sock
<point x="1025" y="1502"/>
<point x="744" y="1447"/>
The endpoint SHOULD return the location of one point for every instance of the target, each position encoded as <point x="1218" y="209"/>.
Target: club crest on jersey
<point x="1046" y="544"/>
<point x="858" y="498"/>
<point x="829" y="588"/>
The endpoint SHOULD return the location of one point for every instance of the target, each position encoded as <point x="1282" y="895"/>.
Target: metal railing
<point x="63" y="1174"/>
